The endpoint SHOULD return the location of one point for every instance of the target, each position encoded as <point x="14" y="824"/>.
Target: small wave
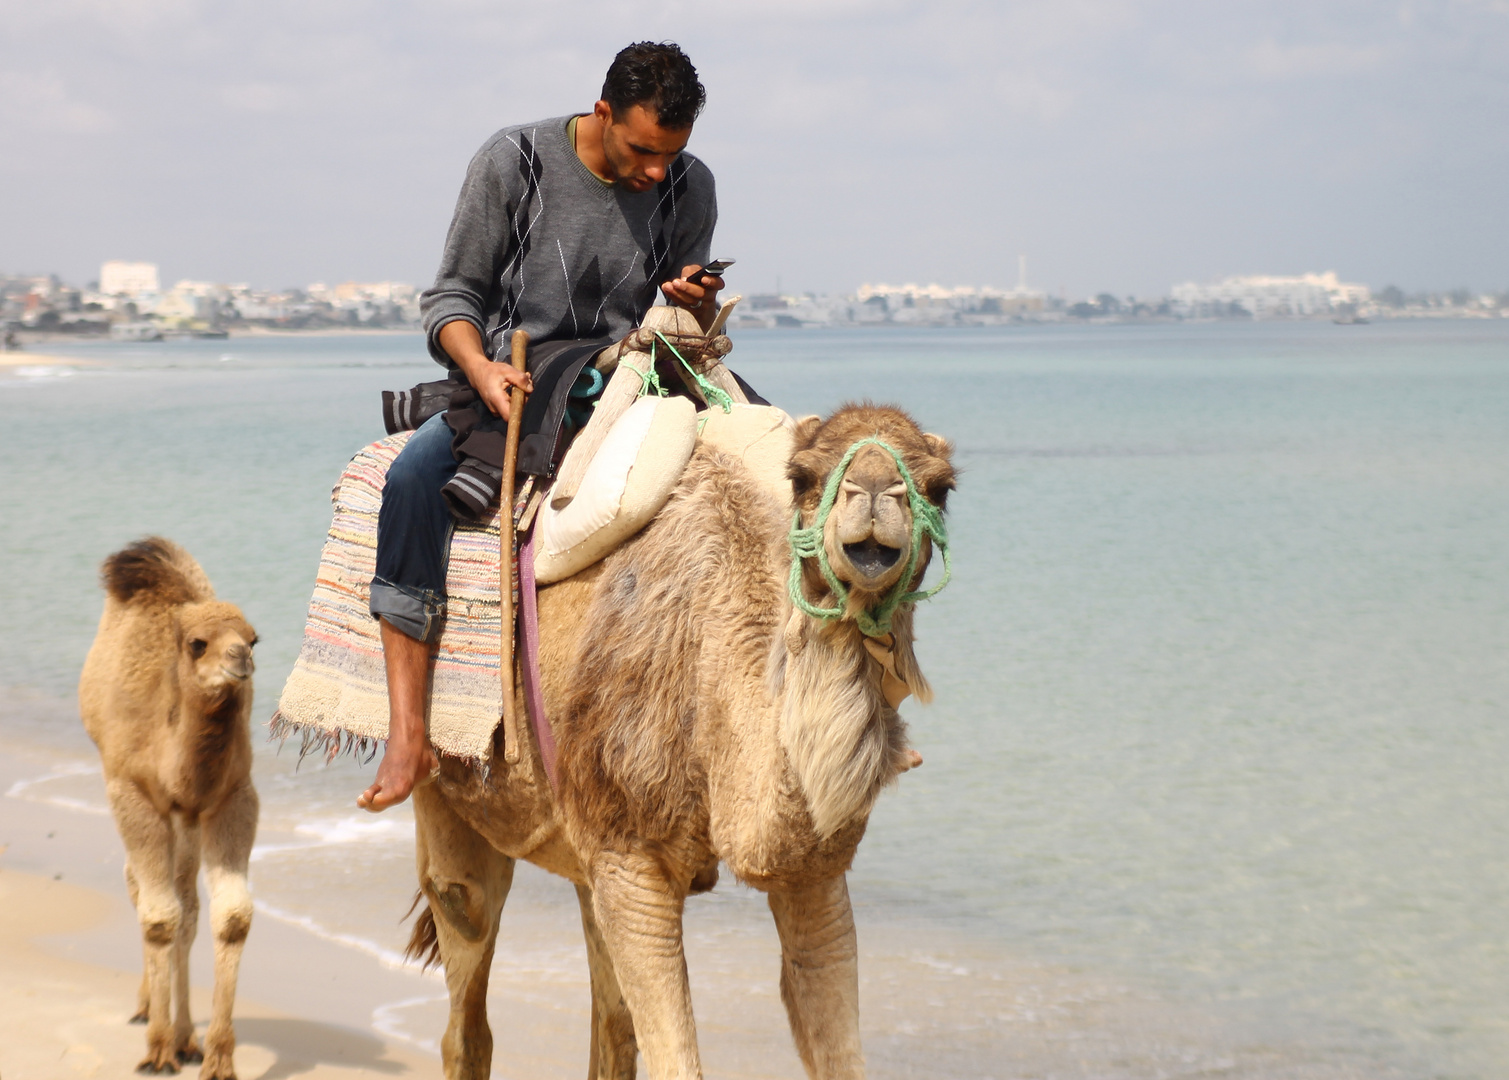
<point x="386" y="1021"/>
<point x="336" y="831"/>
<point x="24" y="789"/>
<point x="388" y="958"/>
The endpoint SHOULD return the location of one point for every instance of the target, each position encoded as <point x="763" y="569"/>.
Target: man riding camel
<point x="565" y="229"/>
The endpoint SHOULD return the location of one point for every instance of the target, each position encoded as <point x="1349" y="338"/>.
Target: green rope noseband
<point x="808" y="544"/>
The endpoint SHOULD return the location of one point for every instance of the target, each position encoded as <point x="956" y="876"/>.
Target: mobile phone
<point x="712" y="269"/>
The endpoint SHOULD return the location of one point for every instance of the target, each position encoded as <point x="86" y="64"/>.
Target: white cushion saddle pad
<point x="639" y="464"/>
<point x="629" y="480"/>
<point x="760" y="437"/>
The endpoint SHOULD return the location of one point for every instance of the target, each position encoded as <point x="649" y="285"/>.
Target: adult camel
<point x="712" y="703"/>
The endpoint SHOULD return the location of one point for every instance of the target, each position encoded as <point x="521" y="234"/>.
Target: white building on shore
<point x="128" y="279"/>
<point x="1262" y="296"/>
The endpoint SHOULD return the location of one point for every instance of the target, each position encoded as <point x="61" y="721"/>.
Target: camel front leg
<point x="639" y="913"/>
<point x="228" y="837"/>
<point x="186" y="885"/>
<point x="148" y="837"/>
<point x="614" y="1049"/>
<point x="466" y="881"/>
<point x="820" y="977"/>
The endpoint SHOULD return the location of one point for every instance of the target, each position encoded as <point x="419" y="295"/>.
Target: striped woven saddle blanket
<point x="337" y="696"/>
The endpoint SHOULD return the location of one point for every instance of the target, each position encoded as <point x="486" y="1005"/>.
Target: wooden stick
<point x="512" y="735"/>
<point x="724" y="312"/>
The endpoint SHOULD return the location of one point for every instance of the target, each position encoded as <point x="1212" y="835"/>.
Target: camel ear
<point x="806" y="481"/>
<point x="802" y="469"/>
<point x="936" y="476"/>
<point x="804" y="430"/>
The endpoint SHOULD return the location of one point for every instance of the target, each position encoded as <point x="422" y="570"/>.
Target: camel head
<point x="215" y="648"/>
<point x="870" y="531"/>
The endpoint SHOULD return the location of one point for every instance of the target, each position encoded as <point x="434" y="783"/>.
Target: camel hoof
<point x="153" y="1067"/>
<point x="218" y="1067"/>
<point x="190" y="1055"/>
<point x="139" y="1018"/>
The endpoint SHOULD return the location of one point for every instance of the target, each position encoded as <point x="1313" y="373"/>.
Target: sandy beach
<point x="70" y="962"/>
<point x="62" y="1016"/>
<point x="307" y="1006"/>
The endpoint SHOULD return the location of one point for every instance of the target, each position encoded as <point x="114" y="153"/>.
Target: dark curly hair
<point x="659" y="76"/>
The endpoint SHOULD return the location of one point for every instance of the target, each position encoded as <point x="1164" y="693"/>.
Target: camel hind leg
<point x="228" y="837"/>
<point x="820" y="977"/>
<point x="148" y="837"/>
<point x="466" y="881"/>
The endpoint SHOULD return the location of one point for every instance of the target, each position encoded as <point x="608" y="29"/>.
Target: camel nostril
<point x="872" y="558"/>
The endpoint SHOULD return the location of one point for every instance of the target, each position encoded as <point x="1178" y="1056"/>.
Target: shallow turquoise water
<point x="1222" y="678"/>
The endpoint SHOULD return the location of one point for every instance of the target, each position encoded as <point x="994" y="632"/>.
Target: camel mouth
<point x="871" y="558"/>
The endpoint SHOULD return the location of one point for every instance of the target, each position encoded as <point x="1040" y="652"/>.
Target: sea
<point x="1216" y="782"/>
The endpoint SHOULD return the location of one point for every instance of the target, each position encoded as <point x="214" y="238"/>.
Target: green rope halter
<point x="808" y="544"/>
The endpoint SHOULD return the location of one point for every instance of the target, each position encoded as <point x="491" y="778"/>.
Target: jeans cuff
<point x="414" y="613"/>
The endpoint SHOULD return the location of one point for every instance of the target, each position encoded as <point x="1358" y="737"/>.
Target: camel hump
<point x="155" y="570"/>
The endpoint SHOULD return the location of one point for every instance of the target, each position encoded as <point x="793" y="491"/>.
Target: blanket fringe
<point x="332" y="743"/>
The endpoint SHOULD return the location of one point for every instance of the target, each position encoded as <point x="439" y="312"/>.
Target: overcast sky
<point x="1121" y="145"/>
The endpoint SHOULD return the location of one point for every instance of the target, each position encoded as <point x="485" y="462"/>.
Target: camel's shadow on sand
<point x="302" y="1045"/>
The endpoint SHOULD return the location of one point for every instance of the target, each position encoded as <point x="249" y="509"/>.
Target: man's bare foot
<point x="403" y="769"/>
<point x="408" y="760"/>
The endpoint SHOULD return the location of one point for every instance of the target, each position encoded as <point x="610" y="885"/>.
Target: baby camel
<point x="166" y="695"/>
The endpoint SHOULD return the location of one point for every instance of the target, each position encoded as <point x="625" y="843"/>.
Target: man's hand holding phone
<point x="697" y="288"/>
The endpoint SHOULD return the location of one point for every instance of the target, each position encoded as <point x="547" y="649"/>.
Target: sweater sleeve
<point x="476" y="247"/>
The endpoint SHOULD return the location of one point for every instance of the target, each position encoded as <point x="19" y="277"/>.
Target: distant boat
<point x="135" y="331"/>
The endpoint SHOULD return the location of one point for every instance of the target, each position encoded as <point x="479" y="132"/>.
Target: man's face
<point x="638" y="149"/>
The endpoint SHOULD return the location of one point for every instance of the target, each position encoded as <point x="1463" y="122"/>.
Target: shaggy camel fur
<point x="701" y="719"/>
<point x="166" y="696"/>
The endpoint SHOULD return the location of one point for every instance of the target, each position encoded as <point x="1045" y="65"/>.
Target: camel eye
<point x="197" y="647"/>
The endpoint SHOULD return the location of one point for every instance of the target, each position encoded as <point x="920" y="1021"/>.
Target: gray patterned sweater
<point x="539" y="243"/>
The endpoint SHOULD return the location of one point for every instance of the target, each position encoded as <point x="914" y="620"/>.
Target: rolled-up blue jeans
<point x="414" y="529"/>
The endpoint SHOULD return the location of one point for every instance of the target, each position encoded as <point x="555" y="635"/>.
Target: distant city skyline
<point x="125" y="277"/>
<point x="129" y="303"/>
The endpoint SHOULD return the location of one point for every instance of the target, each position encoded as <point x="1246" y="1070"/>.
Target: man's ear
<point x="603" y="111"/>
